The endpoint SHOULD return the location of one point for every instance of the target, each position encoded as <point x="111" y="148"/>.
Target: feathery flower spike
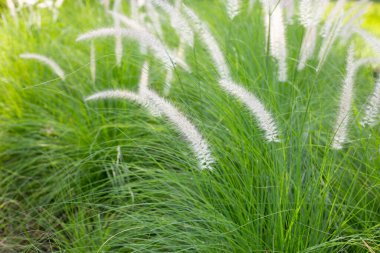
<point x="233" y="8"/>
<point x="355" y="17"/>
<point x="373" y="106"/>
<point x="370" y="39"/>
<point x="264" y="118"/>
<point x="277" y="38"/>
<point x="311" y="13"/>
<point x="275" y="31"/>
<point x="178" y="22"/>
<point x="154" y="18"/>
<point x="146" y="39"/>
<point x="146" y="97"/>
<point x="333" y="15"/>
<point x="41" y="58"/>
<point x="341" y="125"/>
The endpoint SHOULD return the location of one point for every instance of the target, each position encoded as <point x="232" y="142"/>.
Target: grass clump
<point x="108" y="176"/>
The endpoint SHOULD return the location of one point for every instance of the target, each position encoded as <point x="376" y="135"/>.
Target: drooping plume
<point x="178" y="22"/>
<point x="147" y="98"/>
<point x="353" y="18"/>
<point x="47" y="61"/>
<point x="373" y="107"/>
<point x="264" y="118"/>
<point x="154" y="17"/>
<point x="233" y="8"/>
<point x="343" y="118"/>
<point x="371" y="40"/>
<point x="146" y="39"/>
<point x="331" y="18"/>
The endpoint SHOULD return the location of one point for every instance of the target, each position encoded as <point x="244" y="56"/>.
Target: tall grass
<point x="109" y="177"/>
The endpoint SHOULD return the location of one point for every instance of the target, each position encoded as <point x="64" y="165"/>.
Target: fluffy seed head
<point x="178" y="22"/>
<point x="233" y="8"/>
<point x="144" y="38"/>
<point x="341" y="125"/>
<point x="311" y="11"/>
<point x="373" y="107"/>
<point x="47" y="61"/>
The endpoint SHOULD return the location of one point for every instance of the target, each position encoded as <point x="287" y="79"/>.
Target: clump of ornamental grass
<point x="273" y="96"/>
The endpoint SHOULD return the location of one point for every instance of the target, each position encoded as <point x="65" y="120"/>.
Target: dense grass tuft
<point x="108" y="176"/>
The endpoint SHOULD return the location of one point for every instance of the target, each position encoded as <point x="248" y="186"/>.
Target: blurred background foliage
<point x="372" y="19"/>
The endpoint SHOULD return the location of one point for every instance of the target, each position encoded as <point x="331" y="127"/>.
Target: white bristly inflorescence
<point x="51" y="63"/>
<point x="153" y="102"/>
<point x="264" y="118"/>
<point x="275" y="32"/>
<point x="311" y="13"/>
<point x="341" y="125"/>
<point x="233" y="8"/>
<point x="178" y="22"/>
<point x="373" y="106"/>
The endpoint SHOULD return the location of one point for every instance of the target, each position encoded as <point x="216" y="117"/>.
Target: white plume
<point x="233" y="8"/>
<point x="373" y="107"/>
<point x="307" y="47"/>
<point x="154" y="17"/>
<point x="341" y="125"/>
<point x="51" y="63"/>
<point x="369" y="39"/>
<point x="332" y="17"/>
<point x="178" y="22"/>
<point x="275" y="31"/>
<point x="353" y="18"/>
<point x="311" y="13"/>
<point x="144" y="38"/>
<point x="264" y="118"/>
<point x="153" y="102"/>
<point x="278" y="39"/>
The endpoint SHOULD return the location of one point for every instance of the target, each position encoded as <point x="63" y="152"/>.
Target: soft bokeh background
<point x="372" y="21"/>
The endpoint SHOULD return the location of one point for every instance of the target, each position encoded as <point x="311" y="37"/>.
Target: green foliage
<point x="62" y="188"/>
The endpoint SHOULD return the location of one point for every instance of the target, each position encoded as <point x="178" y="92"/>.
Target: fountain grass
<point x="109" y="177"/>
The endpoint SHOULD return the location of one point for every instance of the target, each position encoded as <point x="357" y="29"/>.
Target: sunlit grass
<point x="63" y="188"/>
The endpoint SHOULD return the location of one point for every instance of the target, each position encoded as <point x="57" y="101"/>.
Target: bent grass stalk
<point x="47" y="61"/>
